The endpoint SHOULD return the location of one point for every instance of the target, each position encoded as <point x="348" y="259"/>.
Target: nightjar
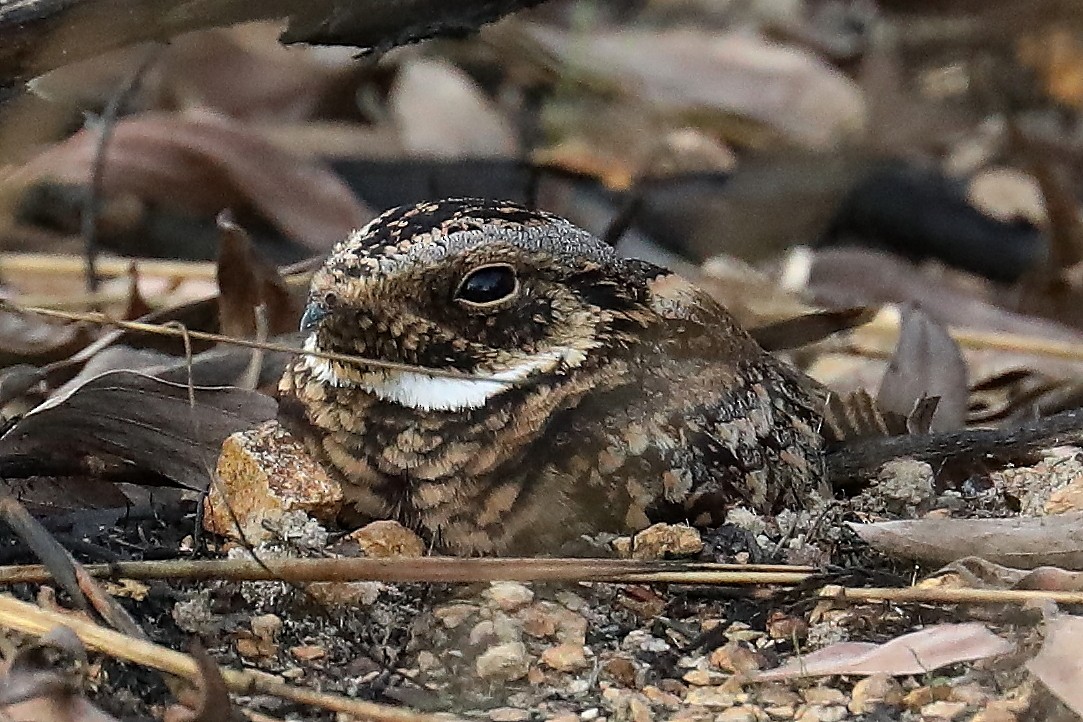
<point x="559" y="389"/>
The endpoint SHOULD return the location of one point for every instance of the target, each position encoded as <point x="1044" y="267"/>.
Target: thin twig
<point x="947" y="596"/>
<point x="166" y="330"/>
<point x="432" y="569"/>
<point x="30" y="619"/>
<point x="107" y="122"/>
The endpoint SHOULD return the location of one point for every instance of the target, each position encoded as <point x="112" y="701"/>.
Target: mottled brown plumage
<point x="597" y="393"/>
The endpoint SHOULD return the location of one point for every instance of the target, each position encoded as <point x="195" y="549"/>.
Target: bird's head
<point x="480" y="296"/>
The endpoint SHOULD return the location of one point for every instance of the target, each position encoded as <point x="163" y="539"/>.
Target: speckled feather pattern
<point x="635" y="396"/>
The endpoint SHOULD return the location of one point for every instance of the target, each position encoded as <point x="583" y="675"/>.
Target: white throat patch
<point x="421" y="391"/>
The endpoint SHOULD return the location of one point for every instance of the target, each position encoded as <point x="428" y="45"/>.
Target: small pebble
<point x="509" y="596"/>
<point x="944" y="709"/>
<point x="505" y="662"/>
<point x="565" y="658"/>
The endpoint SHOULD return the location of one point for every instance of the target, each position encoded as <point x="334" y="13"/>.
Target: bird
<point x="530" y="387"/>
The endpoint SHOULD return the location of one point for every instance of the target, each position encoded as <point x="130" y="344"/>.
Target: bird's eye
<point x="488" y="285"/>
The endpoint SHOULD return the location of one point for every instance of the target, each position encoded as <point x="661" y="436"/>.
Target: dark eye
<point x="488" y="285"/>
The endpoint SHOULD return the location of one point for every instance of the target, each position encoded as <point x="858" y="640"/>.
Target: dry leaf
<point x="1023" y="542"/>
<point x="44" y="683"/>
<point x="927" y="363"/>
<point x="1058" y="665"/>
<point x="202" y="164"/>
<point x="979" y="573"/>
<point x="246" y="281"/>
<point x="137" y="419"/>
<point x="919" y="652"/>
<point x="687" y="71"/>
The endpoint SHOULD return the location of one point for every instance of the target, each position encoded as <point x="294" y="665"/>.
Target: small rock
<point x="781" y="712"/>
<point x="711" y="697"/>
<point x="565" y="658"/>
<point x="504" y="662"/>
<point x="824" y="696"/>
<point x="703" y="677"/>
<point x="641" y="640"/>
<point x="971" y="693"/>
<point x="264" y="473"/>
<point x="509" y="596"/>
<point x="631" y="707"/>
<point x="657" y="696"/>
<point x="266" y="626"/>
<point x="308" y="652"/>
<point x="571" y="628"/>
<point x="823" y="713"/>
<point x="784" y="626"/>
<point x="345" y="594"/>
<point x="918" y="698"/>
<point x="590" y="714"/>
<point x="995" y="711"/>
<point x="736" y="658"/>
<point x="777" y="695"/>
<point x="509" y="714"/>
<point x="904" y="486"/>
<point x="386" y="538"/>
<point x="453" y="615"/>
<point x="538" y="621"/>
<point x="662" y="541"/>
<point x="744" y="713"/>
<point x="426" y="660"/>
<point x="875" y="691"/>
<point x="943" y="709"/>
<point x="621" y="669"/>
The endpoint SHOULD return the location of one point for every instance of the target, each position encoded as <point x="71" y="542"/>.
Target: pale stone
<point x="876" y="690"/>
<point x="710" y="697"/>
<point x="509" y="596"/>
<point x="386" y="538"/>
<point x="943" y="709"/>
<point x="661" y="541"/>
<point x="565" y="658"/>
<point x="503" y="662"/>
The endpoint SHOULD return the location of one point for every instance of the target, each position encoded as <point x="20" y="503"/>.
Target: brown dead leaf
<point x="690" y="72"/>
<point x="44" y="683"/>
<point x="210" y="701"/>
<point x="809" y="328"/>
<point x="201" y="164"/>
<point x="136" y="419"/>
<point x="244" y="72"/>
<point x="246" y="281"/>
<point x="979" y="573"/>
<point x="1023" y="542"/>
<point x="1058" y="665"/>
<point x="927" y="363"/>
<point x="919" y="652"/>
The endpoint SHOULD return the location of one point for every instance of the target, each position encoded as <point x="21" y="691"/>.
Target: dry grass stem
<point x="431" y="569"/>
<point x="948" y="596"/>
<point x="30" y="619"/>
<point x="177" y="332"/>
<point x="880" y="335"/>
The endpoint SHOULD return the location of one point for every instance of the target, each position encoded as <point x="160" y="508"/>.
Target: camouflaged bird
<point x="587" y="392"/>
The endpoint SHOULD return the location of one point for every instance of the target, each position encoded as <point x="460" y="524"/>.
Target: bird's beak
<point x="314" y="313"/>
